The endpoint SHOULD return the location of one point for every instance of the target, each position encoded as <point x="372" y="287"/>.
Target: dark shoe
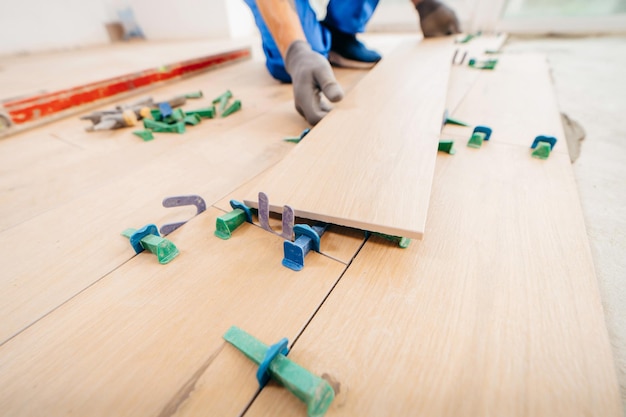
<point x="347" y="51"/>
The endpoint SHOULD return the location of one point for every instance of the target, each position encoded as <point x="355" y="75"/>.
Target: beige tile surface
<point x="589" y="78"/>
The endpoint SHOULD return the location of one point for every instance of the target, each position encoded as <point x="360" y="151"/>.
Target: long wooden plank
<point x="369" y="163"/>
<point x="496" y="312"/>
<point x="132" y="342"/>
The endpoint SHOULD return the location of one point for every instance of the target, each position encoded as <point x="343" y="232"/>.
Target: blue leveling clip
<point x="307" y="239"/>
<point x="263" y="374"/>
<point x="226" y="224"/>
<point x="479" y="134"/>
<point x="135" y="238"/>
<point x="542" y="146"/>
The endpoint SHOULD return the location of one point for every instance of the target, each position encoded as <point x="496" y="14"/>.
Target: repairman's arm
<point x="436" y="19"/>
<point x="310" y="71"/>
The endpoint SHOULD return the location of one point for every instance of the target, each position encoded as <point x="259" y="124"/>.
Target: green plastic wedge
<point x="206" y="113"/>
<point x="236" y="106"/>
<point x="222" y="100"/>
<point x="178" y="127"/>
<point x="403" y="242"/>
<point x="542" y="151"/>
<point x="446" y="146"/>
<point x="226" y="224"/>
<point x="146" y="135"/>
<point x="164" y="249"/>
<point x="293" y="140"/>
<point x="476" y="141"/>
<point x="452" y="121"/>
<point x="195" y="94"/>
<point x="192" y="120"/>
<point x="488" y="64"/>
<point x="464" y="38"/>
<point x="314" y="391"/>
<point x="156" y="114"/>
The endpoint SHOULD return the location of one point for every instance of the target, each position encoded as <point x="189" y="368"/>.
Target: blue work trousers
<point x="348" y="16"/>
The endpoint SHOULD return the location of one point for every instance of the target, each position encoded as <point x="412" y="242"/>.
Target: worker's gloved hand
<point x="437" y="19"/>
<point x="311" y="74"/>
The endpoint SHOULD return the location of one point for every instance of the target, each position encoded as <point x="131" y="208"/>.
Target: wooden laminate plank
<point x="503" y="105"/>
<point x="369" y="163"/>
<point x="496" y="312"/>
<point x="127" y="345"/>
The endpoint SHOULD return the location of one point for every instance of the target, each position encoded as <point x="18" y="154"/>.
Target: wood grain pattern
<point x="71" y="246"/>
<point x="497" y="102"/>
<point x="64" y="201"/>
<point x="462" y="78"/>
<point x="496" y="312"/>
<point x="130" y="344"/>
<point x="26" y="74"/>
<point x="61" y="161"/>
<point x="369" y="163"/>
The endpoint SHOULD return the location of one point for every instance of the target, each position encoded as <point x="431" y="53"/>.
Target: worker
<point x="300" y="37"/>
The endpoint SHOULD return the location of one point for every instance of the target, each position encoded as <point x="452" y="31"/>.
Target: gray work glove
<point x="311" y="74"/>
<point x="437" y="19"/>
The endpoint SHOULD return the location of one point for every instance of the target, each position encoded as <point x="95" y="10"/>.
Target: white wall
<point x="181" y="19"/>
<point x="240" y="19"/>
<point x="41" y="25"/>
<point x="35" y="25"/>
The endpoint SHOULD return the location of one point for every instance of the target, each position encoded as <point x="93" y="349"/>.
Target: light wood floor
<point x="496" y="312"/>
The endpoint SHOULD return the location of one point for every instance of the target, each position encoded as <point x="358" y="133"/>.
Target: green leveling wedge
<point x="480" y="134"/>
<point x="148" y="238"/>
<point x="314" y="391"/>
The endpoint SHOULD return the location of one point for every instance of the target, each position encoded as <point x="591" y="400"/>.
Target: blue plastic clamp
<point x="548" y="139"/>
<point x="307" y="239"/>
<point x="263" y="374"/>
<point x="135" y="238"/>
<point x="239" y="205"/>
